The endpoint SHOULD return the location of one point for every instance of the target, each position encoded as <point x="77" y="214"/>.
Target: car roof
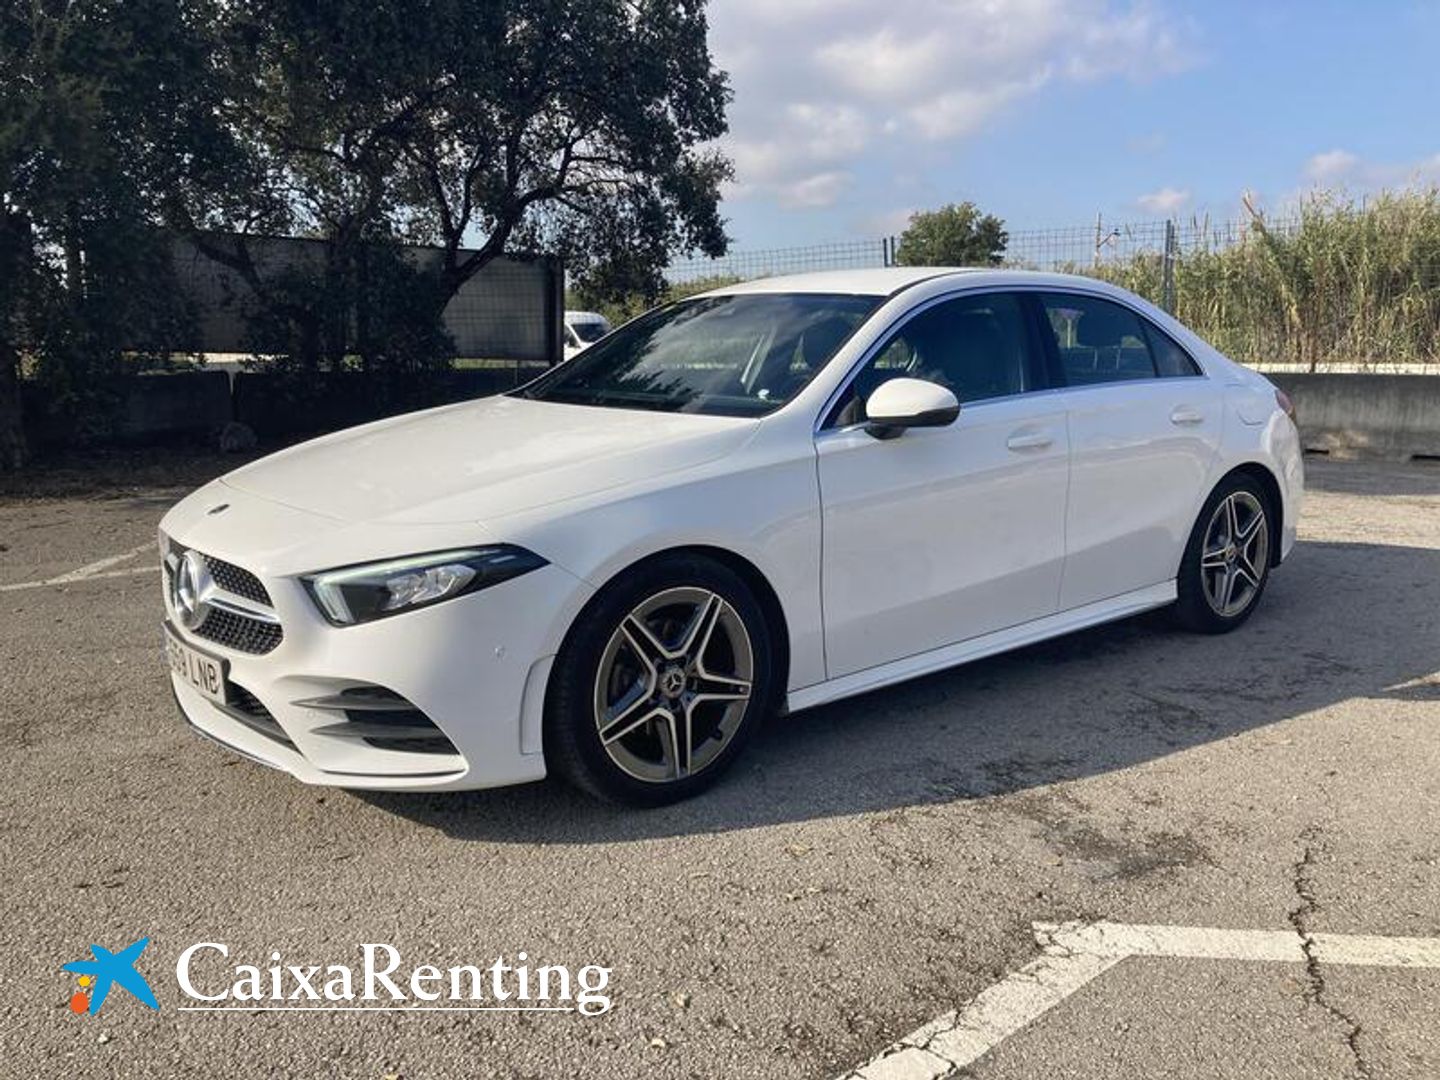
<point x="884" y="282"/>
<point x="584" y="316"/>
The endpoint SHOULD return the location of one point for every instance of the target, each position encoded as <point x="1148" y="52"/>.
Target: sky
<point x="848" y="115"/>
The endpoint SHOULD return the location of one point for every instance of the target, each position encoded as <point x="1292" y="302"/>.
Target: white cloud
<point x="885" y="65"/>
<point x="1164" y="202"/>
<point x="1330" y="165"/>
<point x="821" y="189"/>
<point x="1349" y="175"/>
<point x="964" y="112"/>
<point x="885" y="223"/>
<point x="820" y="84"/>
<point x="1342" y="169"/>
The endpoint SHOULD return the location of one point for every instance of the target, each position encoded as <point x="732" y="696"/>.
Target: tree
<point x="313" y="103"/>
<point x="583" y="128"/>
<point x="101" y="105"/>
<point x="954" y="235"/>
<point x="574" y="127"/>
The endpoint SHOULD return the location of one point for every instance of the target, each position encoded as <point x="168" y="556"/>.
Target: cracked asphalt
<point x="868" y="867"/>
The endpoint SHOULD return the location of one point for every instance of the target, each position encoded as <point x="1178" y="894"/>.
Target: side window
<point x="1170" y="359"/>
<point x="1098" y="341"/>
<point x="978" y="346"/>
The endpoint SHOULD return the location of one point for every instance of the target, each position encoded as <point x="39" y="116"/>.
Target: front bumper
<point x="475" y="666"/>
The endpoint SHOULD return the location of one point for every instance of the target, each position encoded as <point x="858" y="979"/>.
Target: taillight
<point x="1286" y="405"/>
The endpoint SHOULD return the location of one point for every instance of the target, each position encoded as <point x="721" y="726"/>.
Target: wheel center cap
<point x="1230" y="553"/>
<point x="672" y="682"/>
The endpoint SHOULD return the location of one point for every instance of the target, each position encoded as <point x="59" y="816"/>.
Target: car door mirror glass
<point x="908" y="403"/>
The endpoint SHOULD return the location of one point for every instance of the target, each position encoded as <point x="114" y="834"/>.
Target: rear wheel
<point x="660" y="683"/>
<point x="1227" y="561"/>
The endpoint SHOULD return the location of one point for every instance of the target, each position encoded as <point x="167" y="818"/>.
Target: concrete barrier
<point x="276" y="405"/>
<point x="135" y="408"/>
<point x="186" y="401"/>
<point x="1390" y="416"/>
<point x="1386" y="416"/>
<point x="198" y="404"/>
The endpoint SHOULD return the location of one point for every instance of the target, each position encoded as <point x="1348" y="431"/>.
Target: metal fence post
<point x="1167" y="286"/>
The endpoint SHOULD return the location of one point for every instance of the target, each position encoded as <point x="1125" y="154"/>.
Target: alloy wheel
<point x="1235" y="553"/>
<point x="673" y="684"/>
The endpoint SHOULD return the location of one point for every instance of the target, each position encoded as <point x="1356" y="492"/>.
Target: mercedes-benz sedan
<point x="760" y="499"/>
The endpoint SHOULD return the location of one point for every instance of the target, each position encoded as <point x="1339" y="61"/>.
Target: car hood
<point x="481" y="460"/>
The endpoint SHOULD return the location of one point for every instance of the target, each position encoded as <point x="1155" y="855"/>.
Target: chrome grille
<point x="239" y="615"/>
<point x="239" y="632"/>
<point x="235" y="580"/>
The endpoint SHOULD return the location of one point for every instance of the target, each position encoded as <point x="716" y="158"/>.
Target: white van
<point x="583" y="328"/>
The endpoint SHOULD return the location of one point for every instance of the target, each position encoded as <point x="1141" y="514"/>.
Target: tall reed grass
<point x="1344" y="282"/>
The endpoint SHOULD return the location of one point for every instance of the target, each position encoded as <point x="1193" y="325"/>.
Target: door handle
<point x="1184" y="414"/>
<point x="1029" y="440"/>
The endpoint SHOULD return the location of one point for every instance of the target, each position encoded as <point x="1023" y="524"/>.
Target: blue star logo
<point x="109" y="968"/>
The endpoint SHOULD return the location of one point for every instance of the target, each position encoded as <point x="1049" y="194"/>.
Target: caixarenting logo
<point x="379" y="982"/>
<point x="97" y="976"/>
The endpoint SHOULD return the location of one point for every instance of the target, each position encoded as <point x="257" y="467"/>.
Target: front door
<point x="944" y="534"/>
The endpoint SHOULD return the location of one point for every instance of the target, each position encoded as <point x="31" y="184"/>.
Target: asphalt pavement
<point x="868" y="867"/>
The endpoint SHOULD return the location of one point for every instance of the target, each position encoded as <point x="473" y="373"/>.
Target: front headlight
<point x="356" y="594"/>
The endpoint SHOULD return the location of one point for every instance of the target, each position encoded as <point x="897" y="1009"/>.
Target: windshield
<point x="722" y="356"/>
<point x="588" y="331"/>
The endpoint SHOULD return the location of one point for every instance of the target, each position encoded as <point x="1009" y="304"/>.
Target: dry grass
<point x="1345" y="282"/>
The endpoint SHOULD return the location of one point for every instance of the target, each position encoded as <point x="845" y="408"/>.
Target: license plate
<point x="204" y="672"/>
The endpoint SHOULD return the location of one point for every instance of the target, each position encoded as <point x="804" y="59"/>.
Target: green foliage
<point x="954" y="235"/>
<point x="1346" y="283"/>
<point x="574" y="127"/>
<point x="96" y="100"/>
<point x="582" y="128"/>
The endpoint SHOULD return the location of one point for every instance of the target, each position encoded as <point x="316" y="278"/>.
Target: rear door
<point x="1144" y="427"/>
<point x="944" y="534"/>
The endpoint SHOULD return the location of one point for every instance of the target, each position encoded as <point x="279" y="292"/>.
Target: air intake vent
<point x="381" y="718"/>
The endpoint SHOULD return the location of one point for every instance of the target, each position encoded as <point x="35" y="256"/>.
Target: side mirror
<point x="908" y="403"/>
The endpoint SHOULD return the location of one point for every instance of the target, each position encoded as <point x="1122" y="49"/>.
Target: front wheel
<point x="660" y="683"/>
<point x="1227" y="561"/>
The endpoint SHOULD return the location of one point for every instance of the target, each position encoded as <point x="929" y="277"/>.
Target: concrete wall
<point x="1387" y="416"/>
<point x="183" y="401"/>
<point x="1391" y="416"/>
<point x="197" y="404"/>
<point x="138" y="407"/>
<point x="273" y="406"/>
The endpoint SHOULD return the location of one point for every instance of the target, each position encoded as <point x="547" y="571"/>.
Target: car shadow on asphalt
<point x="1339" y="621"/>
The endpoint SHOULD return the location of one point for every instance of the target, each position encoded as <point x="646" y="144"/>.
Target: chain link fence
<point x="746" y="265"/>
<point x="1103" y="243"/>
<point x="1347" y="288"/>
<point x="1070" y="249"/>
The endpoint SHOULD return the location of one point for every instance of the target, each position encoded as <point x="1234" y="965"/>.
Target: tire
<point x="1231" y="542"/>
<point x="638" y="714"/>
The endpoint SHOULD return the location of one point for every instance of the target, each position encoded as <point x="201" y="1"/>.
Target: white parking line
<point x="1075" y="953"/>
<point x="98" y="569"/>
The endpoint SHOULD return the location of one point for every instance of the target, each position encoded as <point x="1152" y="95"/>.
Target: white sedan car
<point x="767" y="497"/>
